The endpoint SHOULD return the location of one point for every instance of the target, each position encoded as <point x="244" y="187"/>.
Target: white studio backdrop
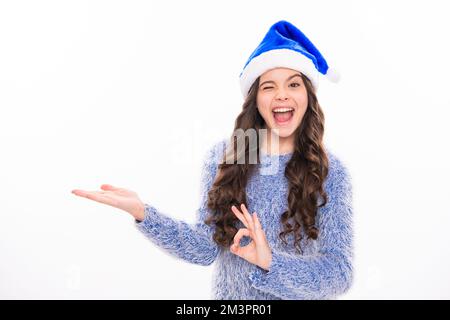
<point x="132" y="93"/>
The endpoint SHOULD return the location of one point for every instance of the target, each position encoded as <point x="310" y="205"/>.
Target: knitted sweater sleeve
<point x="328" y="273"/>
<point x="190" y="242"/>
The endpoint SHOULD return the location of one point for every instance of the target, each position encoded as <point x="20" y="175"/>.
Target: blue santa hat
<point x="286" y="46"/>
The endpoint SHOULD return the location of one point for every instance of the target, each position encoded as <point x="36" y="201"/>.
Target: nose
<point x="281" y="95"/>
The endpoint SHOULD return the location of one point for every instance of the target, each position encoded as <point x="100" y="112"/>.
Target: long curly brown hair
<point x="306" y="172"/>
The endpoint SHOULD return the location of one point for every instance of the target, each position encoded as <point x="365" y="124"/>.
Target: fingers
<point x="248" y="217"/>
<point x="108" y="187"/>
<point x="259" y="233"/>
<point x="235" y="247"/>
<point x="256" y="222"/>
<point x="241" y="233"/>
<point x="244" y="217"/>
<point x="77" y="192"/>
<point x="239" y="215"/>
<point x="95" y="196"/>
<point x="250" y="221"/>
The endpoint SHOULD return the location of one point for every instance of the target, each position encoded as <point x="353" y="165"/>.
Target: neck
<point x="275" y="144"/>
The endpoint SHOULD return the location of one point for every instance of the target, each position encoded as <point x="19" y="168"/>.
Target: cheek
<point x="263" y="107"/>
<point x="302" y="110"/>
<point x="302" y="103"/>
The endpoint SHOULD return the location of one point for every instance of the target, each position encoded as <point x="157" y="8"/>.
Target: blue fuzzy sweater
<point x="323" y="270"/>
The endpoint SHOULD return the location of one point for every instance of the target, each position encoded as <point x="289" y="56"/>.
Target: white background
<point x="133" y="93"/>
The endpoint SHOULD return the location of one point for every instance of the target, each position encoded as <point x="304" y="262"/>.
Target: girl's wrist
<point x="139" y="213"/>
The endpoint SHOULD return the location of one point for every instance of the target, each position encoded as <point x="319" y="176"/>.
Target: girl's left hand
<point x="258" y="250"/>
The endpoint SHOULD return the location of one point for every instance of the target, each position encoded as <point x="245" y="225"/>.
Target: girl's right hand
<point x="120" y="198"/>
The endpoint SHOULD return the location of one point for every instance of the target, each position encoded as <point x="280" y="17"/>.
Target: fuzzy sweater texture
<point x="322" y="271"/>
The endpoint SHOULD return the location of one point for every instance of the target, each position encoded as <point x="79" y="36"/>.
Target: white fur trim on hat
<point x="278" y="58"/>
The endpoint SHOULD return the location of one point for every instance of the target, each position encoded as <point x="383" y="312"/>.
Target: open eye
<point x="297" y="84"/>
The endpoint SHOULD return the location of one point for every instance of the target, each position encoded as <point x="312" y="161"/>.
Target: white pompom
<point x="333" y="75"/>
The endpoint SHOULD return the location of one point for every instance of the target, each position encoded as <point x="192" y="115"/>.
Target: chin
<point x="284" y="132"/>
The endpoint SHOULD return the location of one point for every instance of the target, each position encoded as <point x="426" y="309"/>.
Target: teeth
<point x="283" y="110"/>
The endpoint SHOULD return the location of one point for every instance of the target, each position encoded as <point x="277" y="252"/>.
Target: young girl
<point x="278" y="232"/>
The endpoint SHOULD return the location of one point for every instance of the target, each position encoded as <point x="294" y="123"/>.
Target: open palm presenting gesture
<point x="120" y="198"/>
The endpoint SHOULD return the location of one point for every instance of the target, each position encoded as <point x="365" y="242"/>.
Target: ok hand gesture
<point x="258" y="250"/>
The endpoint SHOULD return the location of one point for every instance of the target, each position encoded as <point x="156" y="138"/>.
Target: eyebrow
<point x="295" y="75"/>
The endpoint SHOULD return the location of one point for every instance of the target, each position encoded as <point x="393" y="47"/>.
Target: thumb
<point x="234" y="249"/>
<point x="108" y="187"/>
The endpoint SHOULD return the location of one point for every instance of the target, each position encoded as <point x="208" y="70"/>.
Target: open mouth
<point x="283" y="116"/>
